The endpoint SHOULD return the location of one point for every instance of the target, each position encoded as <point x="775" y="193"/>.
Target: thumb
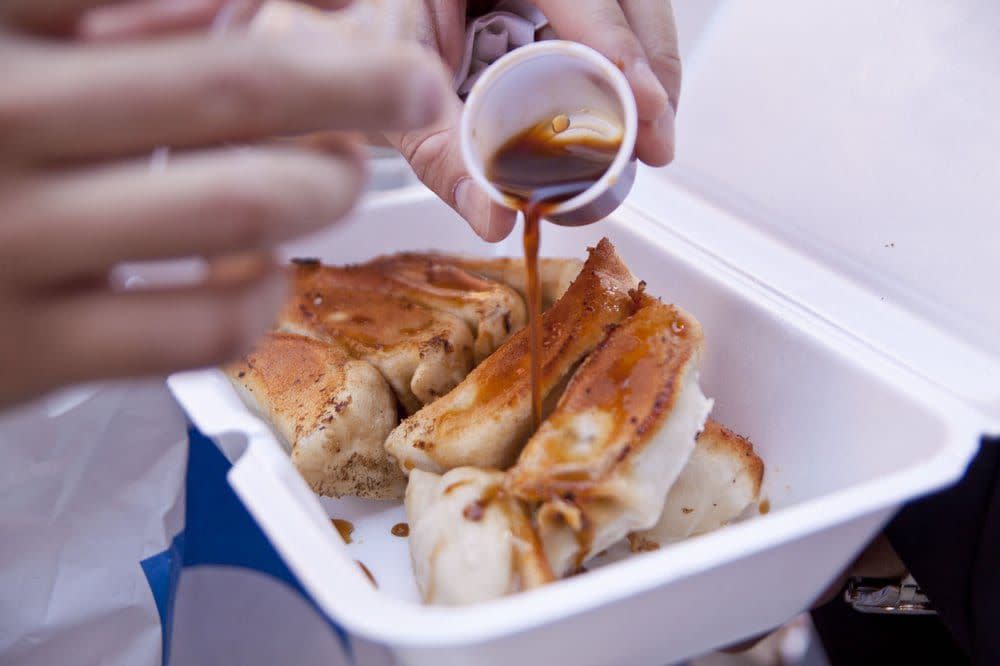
<point x="436" y="158"/>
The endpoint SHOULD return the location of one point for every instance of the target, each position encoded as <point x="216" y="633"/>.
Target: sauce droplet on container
<point x="345" y="527"/>
<point x="367" y="572"/>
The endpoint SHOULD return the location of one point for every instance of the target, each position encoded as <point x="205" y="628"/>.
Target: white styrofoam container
<point x="864" y="374"/>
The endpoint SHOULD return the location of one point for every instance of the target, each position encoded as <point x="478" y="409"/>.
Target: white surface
<point x="91" y="483"/>
<point x="865" y="136"/>
<point x="847" y="435"/>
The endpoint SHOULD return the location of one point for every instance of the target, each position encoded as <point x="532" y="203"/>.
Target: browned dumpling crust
<point x="721" y="479"/>
<point x="486" y="419"/>
<point x="601" y="465"/>
<point x="332" y="412"/>
<point x="422" y="352"/>
<point x="492" y="310"/>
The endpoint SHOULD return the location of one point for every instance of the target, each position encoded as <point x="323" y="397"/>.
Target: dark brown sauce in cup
<point x="538" y="172"/>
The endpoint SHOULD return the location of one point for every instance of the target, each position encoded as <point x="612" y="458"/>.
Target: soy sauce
<point x="344" y="527"/>
<point x="538" y="170"/>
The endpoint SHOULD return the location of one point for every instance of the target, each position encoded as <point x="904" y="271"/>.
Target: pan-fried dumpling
<point x="555" y="275"/>
<point x="469" y="541"/>
<point x="330" y="411"/>
<point x="721" y="479"/>
<point x="486" y="419"/>
<point x="602" y="463"/>
<point x="492" y="310"/>
<point x="422" y="352"/>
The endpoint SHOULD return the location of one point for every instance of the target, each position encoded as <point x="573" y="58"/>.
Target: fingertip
<point x="651" y="98"/>
<point x="501" y="223"/>
<point x="656" y="140"/>
<point x="473" y="204"/>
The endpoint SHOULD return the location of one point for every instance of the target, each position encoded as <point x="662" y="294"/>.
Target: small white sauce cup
<point x="535" y="83"/>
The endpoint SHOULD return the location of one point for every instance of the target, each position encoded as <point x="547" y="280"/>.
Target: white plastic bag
<point x="118" y="529"/>
<point x="91" y="484"/>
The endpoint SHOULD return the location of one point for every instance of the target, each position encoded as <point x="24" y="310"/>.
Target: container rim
<point x="503" y="67"/>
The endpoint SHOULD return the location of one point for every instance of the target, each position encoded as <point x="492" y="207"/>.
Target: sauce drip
<point x="765" y="506"/>
<point x="367" y="572"/>
<point x="531" y="240"/>
<point x="345" y="527"/>
<point x="538" y="170"/>
<point x="400" y="530"/>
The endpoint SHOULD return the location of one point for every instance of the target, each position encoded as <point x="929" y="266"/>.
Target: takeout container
<point x="536" y="83"/>
<point x="829" y="344"/>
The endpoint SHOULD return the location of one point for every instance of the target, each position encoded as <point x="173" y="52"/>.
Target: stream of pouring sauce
<point x="538" y="172"/>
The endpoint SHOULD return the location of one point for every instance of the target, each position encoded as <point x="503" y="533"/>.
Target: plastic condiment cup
<point x="536" y="83"/>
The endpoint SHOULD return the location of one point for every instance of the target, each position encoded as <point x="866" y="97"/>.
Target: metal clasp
<point x="895" y="597"/>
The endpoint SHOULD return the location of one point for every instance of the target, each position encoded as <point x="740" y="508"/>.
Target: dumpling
<point x="469" y="541"/>
<point x="330" y="411"/>
<point x="555" y="275"/>
<point x="602" y="463"/>
<point x="721" y="479"/>
<point x="422" y="352"/>
<point x="485" y="420"/>
<point x="492" y="310"/>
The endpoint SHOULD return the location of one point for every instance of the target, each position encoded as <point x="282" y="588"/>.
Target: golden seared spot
<point x="555" y="274"/>
<point x="343" y="305"/>
<point x="506" y="374"/>
<point x="492" y="310"/>
<point x="333" y="413"/>
<point x="486" y="419"/>
<point x="616" y="401"/>
<point x="717" y="438"/>
<point x="640" y="544"/>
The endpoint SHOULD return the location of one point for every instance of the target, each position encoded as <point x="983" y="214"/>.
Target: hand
<point x="639" y="34"/>
<point x="77" y="123"/>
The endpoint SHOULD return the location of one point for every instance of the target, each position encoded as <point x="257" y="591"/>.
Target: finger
<point x="204" y="204"/>
<point x="193" y="91"/>
<point x="652" y="21"/>
<point x="62" y="16"/>
<point x="106" y="334"/>
<point x="656" y="140"/>
<point x="436" y="158"/>
<point x="145" y="18"/>
<point x="602" y="25"/>
<point x="441" y="27"/>
<point x="51" y="16"/>
<point x="239" y="267"/>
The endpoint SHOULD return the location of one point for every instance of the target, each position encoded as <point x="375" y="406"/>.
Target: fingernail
<point x="501" y="222"/>
<point x="473" y="204"/>
<point x="665" y="123"/>
<point x="665" y="134"/>
<point x="643" y="77"/>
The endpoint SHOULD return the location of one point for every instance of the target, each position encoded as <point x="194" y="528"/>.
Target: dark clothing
<point x="951" y="544"/>
<point x="851" y="638"/>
